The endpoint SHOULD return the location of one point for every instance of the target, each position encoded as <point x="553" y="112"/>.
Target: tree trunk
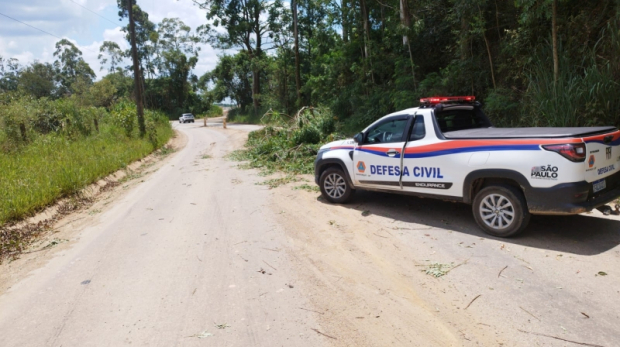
<point x="464" y="37"/>
<point x="382" y="21"/>
<point x="486" y="42"/>
<point x="285" y="87"/>
<point x="364" y="13"/>
<point x="297" y="72"/>
<point x="257" y="56"/>
<point x="136" y="71"/>
<point x="345" y="22"/>
<point x="499" y="35"/>
<point x="405" y="20"/>
<point x="415" y="87"/>
<point x="22" y="130"/>
<point x="255" y="89"/>
<point x="366" y="24"/>
<point x="554" y="34"/>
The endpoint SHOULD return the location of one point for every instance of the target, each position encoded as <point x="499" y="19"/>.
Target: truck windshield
<point x="460" y="119"/>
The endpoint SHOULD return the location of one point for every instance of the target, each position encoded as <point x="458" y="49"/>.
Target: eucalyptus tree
<point x="70" y="66"/>
<point x="9" y="73"/>
<point x="111" y="54"/>
<point x="248" y="25"/>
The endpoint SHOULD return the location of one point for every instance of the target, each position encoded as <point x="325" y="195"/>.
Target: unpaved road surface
<point x="199" y="254"/>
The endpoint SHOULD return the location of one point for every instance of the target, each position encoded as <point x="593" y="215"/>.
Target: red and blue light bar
<point x="434" y="100"/>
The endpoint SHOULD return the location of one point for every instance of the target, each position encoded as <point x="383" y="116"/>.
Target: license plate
<point x="599" y="185"/>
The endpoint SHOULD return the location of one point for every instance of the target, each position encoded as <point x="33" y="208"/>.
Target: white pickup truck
<point x="448" y="149"/>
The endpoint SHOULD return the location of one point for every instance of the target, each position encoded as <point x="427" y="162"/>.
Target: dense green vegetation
<point x="61" y="130"/>
<point x="51" y="149"/>
<point x="289" y="145"/>
<point x="530" y="62"/>
<point x="364" y="59"/>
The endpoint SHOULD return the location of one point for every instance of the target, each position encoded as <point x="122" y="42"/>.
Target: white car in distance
<point x="186" y="118"/>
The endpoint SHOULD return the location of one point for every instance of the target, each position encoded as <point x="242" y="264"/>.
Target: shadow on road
<point x="585" y="235"/>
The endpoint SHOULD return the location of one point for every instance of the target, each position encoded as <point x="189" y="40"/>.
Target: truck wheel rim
<point x="497" y="211"/>
<point x="335" y="186"/>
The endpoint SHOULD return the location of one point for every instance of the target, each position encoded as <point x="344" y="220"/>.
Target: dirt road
<point x="200" y="254"/>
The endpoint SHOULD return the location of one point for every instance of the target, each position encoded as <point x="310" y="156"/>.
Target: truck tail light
<point x="572" y="151"/>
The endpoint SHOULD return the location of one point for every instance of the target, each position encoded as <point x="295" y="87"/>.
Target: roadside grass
<point x="52" y="166"/>
<point x="241" y="116"/>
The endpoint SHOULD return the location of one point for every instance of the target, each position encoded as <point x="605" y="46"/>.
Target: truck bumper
<point x="572" y="198"/>
<point x="317" y="167"/>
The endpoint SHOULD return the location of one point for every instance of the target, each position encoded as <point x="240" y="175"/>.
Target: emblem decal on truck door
<point x="608" y="152"/>
<point x="361" y="167"/>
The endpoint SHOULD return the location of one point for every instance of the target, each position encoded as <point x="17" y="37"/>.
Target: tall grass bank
<point x="51" y="149"/>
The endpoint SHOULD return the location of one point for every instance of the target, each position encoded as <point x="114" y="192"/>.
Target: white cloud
<point x="65" y="19"/>
<point x="116" y="35"/>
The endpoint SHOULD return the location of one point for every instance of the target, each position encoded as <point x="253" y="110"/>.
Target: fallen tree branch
<point x="502" y="270"/>
<point x="465" y="262"/>
<point x="331" y="337"/>
<point x="269" y="265"/>
<point x="561" y="339"/>
<point x="301" y="308"/>
<point x="471" y="302"/>
<point x="526" y="311"/>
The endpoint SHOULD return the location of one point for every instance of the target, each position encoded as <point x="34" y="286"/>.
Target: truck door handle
<point x="392" y="152"/>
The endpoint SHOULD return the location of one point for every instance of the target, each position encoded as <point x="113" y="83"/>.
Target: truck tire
<point x="501" y="210"/>
<point x="334" y="186"/>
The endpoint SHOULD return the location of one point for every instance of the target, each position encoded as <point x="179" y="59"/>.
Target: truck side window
<point x="419" y="131"/>
<point x="459" y="119"/>
<point x="391" y="130"/>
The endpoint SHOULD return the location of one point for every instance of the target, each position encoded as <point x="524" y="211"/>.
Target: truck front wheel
<point x="334" y="186"/>
<point x="501" y="210"/>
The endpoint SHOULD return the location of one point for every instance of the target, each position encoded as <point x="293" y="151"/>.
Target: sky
<point x="87" y="30"/>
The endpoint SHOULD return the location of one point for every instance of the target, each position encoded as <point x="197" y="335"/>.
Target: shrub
<point x="215" y="111"/>
<point x="124" y="116"/>
<point x="292" y="145"/>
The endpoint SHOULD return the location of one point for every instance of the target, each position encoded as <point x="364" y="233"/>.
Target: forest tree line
<point x="530" y="62"/>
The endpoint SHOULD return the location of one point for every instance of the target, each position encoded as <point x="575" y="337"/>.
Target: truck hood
<point x="339" y="143"/>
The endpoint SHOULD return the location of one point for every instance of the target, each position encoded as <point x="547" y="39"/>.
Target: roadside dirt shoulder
<point x="402" y="271"/>
<point x="60" y="225"/>
<point x="367" y="284"/>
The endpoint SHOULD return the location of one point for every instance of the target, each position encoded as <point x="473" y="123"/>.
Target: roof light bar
<point x="434" y="100"/>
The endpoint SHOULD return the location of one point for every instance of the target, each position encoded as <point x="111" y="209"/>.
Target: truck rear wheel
<point x="501" y="210"/>
<point x="334" y="186"/>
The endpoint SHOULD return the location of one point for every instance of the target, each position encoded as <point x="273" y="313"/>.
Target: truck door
<point x="378" y="159"/>
<point x="423" y="171"/>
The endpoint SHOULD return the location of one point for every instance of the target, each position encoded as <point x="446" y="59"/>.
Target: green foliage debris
<point x="437" y="269"/>
<point x="290" y="145"/>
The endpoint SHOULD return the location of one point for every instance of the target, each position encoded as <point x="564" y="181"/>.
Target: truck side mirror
<point x="359" y="138"/>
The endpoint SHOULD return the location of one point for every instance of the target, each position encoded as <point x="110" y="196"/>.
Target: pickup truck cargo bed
<point x="524" y="133"/>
